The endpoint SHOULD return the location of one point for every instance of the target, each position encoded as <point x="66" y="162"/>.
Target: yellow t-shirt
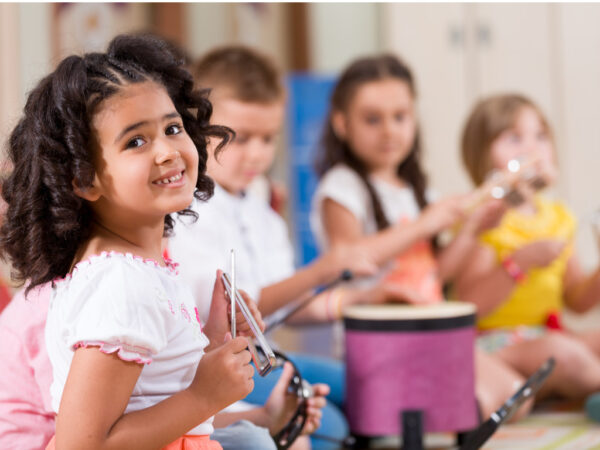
<point x="541" y="292"/>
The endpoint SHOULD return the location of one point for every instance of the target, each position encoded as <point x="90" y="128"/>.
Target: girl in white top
<point x="110" y="144"/>
<point x="373" y="193"/>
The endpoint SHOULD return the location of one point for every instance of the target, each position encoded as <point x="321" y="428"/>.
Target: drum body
<point x="402" y="357"/>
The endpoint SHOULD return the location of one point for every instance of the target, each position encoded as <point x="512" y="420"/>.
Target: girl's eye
<point x="241" y="139"/>
<point x="372" y="120"/>
<point x="514" y="138"/>
<point x="542" y="136"/>
<point x="173" y="129"/>
<point x="135" y="142"/>
<point x="400" y="117"/>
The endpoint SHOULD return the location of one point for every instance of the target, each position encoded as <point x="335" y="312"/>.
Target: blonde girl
<point x="525" y="271"/>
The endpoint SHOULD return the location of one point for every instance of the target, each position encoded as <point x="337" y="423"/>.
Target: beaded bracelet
<point x="513" y="269"/>
<point x="333" y="304"/>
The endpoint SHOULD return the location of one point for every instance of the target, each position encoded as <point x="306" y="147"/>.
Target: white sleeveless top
<point x="136" y="308"/>
<point x="344" y="186"/>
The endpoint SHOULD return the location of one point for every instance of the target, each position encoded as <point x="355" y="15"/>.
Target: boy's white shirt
<point x="247" y="224"/>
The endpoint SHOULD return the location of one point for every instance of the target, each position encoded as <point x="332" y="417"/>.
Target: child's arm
<point x="329" y="305"/>
<point x="323" y="270"/>
<point x="582" y="291"/>
<point x="342" y="227"/>
<point x="99" y="386"/>
<point x="486" y="283"/>
<point x="453" y="257"/>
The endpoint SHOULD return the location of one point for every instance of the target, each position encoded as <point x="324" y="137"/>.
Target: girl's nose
<point x="166" y="154"/>
<point x="389" y="127"/>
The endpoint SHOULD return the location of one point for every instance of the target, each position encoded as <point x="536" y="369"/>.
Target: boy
<point x="248" y="96"/>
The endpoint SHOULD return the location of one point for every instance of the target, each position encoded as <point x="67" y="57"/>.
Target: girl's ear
<point x="91" y="193"/>
<point x="338" y="123"/>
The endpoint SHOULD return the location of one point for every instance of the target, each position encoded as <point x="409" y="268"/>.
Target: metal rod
<point x="234" y="293"/>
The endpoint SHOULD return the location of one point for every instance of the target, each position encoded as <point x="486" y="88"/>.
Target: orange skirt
<point x="185" y="442"/>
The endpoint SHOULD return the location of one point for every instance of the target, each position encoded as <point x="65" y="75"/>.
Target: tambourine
<point x="303" y="391"/>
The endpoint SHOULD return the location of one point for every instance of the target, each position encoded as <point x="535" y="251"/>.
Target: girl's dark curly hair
<point x="335" y="150"/>
<point x="51" y="148"/>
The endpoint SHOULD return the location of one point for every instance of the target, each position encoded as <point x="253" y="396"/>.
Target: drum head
<point x="409" y="312"/>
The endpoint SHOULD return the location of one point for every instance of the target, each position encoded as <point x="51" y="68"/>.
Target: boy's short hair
<point x="242" y="72"/>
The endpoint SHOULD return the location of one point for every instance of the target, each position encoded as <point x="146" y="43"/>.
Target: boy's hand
<point x="315" y="406"/>
<point x="281" y="405"/>
<point x="224" y="375"/>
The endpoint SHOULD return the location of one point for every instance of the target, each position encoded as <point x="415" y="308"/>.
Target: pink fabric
<point x="186" y="442"/>
<point x="26" y="417"/>
<point x="124" y="352"/>
<point x="4" y="295"/>
<point x="388" y="372"/>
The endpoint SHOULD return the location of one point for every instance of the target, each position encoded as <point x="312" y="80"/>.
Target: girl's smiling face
<point x="379" y="123"/>
<point x="146" y="164"/>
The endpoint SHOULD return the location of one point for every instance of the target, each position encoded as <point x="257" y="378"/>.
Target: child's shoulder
<point x="341" y="172"/>
<point x="110" y="268"/>
<point x="123" y="284"/>
<point x="342" y="180"/>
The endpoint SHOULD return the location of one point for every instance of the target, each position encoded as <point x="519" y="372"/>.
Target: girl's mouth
<point x="171" y="179"/>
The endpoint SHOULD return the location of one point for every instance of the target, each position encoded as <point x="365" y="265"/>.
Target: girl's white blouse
<point x="132" y="306"/>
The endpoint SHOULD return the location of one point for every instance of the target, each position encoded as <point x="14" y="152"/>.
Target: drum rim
<point x="443" y="310"/>
<point x="414" y="325"/>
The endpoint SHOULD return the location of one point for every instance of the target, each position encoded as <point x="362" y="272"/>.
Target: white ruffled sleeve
<point x="118" y="307"/>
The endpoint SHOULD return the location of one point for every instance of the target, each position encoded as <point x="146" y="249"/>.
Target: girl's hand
<point x="485" y="216"/>
<point x="281" y="405"/>
<point x="385" y="292"/>
<point x="352" y="257"/>
<point x="441" y="215"/>
<point x="242" y="326"/>
<point x="217" y="325"/>
<point x="539" y="253"/>
<point x="224" y="375"/>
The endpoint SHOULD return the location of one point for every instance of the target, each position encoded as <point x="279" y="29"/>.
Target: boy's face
<point x="252" y="152"/>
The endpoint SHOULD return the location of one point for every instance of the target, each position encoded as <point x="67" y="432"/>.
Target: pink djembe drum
<point x="410" y="358"/>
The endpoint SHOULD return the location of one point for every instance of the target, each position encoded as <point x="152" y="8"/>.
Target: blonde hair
<point x="490" y="117"/>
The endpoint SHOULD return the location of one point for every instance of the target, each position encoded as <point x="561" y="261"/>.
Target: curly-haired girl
<point x="109" y="145"/>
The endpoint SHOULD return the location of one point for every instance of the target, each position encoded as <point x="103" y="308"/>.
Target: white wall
<point x="9" y="66"/>
<point x="340" y="32"/>
<point x="35" y="44"/>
